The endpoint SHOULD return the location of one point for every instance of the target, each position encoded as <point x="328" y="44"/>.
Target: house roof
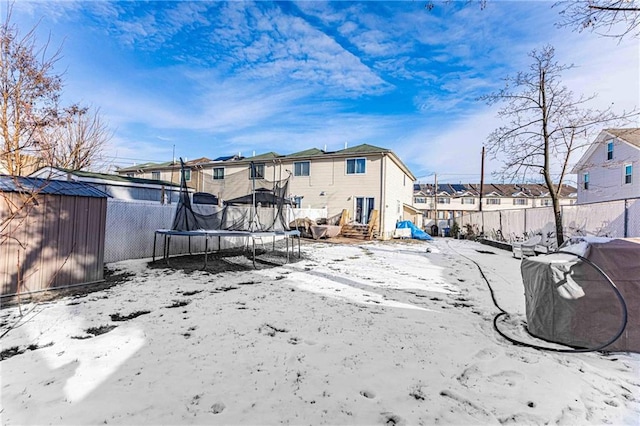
<point x="107" y="177"/>
<point x="265" y="156"/>
<point x="491" y="189"/>
<point x="306" y="153"/>
<point x="630" y="135"/>
<point x="228" y="157"/>
<point x="146" y="166"/>
<point x="51" y="187"/>
<point x="362" y="149"/>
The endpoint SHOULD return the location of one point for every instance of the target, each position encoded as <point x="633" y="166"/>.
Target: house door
<point x="364" y="206"/>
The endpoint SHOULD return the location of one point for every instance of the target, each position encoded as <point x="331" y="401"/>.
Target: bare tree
<point x="545" y="125"/>
<point x="612" y="18"/>
<point x="77" y="141"/>
<point x="30" y="90"/>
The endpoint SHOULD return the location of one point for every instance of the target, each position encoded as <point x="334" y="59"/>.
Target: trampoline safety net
<point x="261" y="208"/>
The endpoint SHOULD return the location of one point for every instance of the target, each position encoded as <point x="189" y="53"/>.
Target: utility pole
<point x="481" y="179"/>
<point x="435" y="202"/>
<point x="481" y="191"/>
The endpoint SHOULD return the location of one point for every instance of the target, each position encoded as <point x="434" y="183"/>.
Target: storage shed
<point x="52" y="234"/>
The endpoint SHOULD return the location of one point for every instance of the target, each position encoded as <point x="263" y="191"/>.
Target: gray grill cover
<point x="569" y="302"/>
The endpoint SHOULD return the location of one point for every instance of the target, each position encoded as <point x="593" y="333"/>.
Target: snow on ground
<point x="373" y="333"/>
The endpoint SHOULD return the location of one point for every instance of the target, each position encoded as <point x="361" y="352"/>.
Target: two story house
<point x="359" y="179"/>
<point x="609" y="169"/>
<point x="450" y="201"/>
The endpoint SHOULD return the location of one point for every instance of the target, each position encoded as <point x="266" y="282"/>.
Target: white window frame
<point x="356" y="170"/>
<point x="585" y="181"/>
<point x="300" y="172"/>
<point x="443" y="200"/>
<point x="493" y="201"/>
<point x="629" y="175"/>
<point x="420" y="200"/>
<point x="610" y="151"/>
<point x="520" y="202"/>
<point x="255" y="168"/>
<point x="155" y="175"/>
<point x="213" y="173"/>
<point x="468" y="200"/>
<point x="187" y="175"/>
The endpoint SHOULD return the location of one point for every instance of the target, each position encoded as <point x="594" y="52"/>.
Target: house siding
<point x="606" y="177"/>
<point x="327" y="176"/>
<point x="398" y="191"/>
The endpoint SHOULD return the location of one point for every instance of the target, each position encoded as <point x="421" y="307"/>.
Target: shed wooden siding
<point x="63" y="243"/>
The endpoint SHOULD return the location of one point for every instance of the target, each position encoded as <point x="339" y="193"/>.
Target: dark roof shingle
<point x="51" y="187"/>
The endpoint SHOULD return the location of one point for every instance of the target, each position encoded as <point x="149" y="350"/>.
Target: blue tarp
<point x="416" y="232"/>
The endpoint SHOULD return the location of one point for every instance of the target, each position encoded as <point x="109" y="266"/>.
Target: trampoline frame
<point x="254" y="235"/>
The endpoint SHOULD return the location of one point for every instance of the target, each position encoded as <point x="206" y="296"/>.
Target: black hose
<point x="504" y="313"/>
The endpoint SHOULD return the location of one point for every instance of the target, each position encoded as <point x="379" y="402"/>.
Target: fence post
<point x="626" y="218"/>
<point x="524" y="211"/>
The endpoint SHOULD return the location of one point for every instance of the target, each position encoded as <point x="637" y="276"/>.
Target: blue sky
<point x="218" y="78"/>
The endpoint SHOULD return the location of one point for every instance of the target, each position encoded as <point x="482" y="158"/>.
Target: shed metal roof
<point x="51" y="187"/>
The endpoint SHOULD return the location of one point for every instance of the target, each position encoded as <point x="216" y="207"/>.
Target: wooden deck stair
<point x="354" y="230"/>
<point x="362" y="232"/>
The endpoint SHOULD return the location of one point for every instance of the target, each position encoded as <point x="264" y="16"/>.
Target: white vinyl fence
<point x="615" y="219"/>
<point x="131" y="227"/>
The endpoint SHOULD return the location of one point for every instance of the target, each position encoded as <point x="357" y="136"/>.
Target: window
<point x="131" y="174"/>
<point x="155" y="175"/>
<point x="187" y="175"/>
<point x="218" y="173"/>
<point x="628" y="172"/>
<point x="442" y="200"/>
<point x="420" y="200"/>
<point x="356" y="166"/>
<point x="298" y="201"/>
<point x="468" y="200"/>
<point x="257" y="171"/>
<point x="494" y="201"/>
<point x="546" y="202"/>
<point x="585" y="181"/>
<point x="520" y="201"/>
<point x="301" y="168"/>
<point x="610" y="150"/>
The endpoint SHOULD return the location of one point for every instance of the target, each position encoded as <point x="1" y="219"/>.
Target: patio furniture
<point x="526" y="248"/>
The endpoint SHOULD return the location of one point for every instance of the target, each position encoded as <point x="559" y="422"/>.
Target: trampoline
<point x="249" y="220"/>
<point x="211" y="233"/>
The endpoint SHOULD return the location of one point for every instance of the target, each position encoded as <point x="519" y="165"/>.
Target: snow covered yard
<point x="374" y="333"/>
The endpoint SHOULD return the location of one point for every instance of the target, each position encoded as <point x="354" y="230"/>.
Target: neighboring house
<point x="118" y="187"/>
<point x="451" y="200"/>
<point x="610" y="169"/>
<point x="169" y="171"/>
<point x="29" y="164"/>
<point x="359" y="179"/>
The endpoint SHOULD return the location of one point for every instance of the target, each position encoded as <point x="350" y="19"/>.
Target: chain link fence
<point x="131" y="226"/>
